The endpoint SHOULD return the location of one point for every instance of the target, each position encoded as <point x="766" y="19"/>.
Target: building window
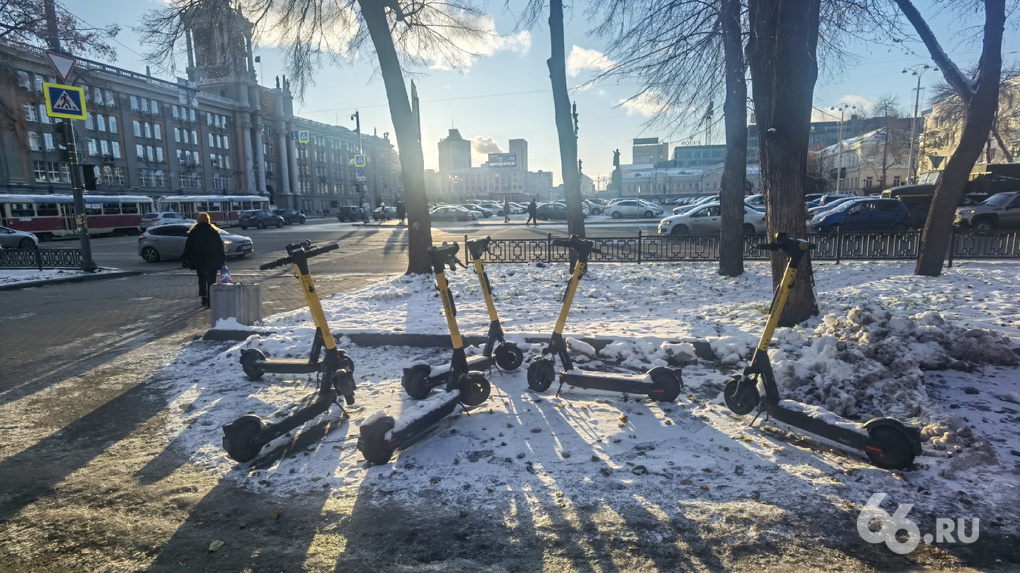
<point x="48" y="139"/>
<point x="89" y="124"/>
<point x="140" y="150"/>
<point x="38" y="83"/>
<point x="138" y="128"/>
<point x="24" y="80"/>
<point x="33" y="141"/>
<point x="115" y="147"/>
<point x="42" y="114"/>
<point x="148" y="130"/>
<point x="177" y="134"/>
<point x="194" y="137"/>
<point x="93" y="148"/>
<point x="101" y="122"/>
<point x="145" y="105"/>
<point x="30" y="114"/>
<point x="40" y="175"/>
<point x="159" y="154"/>
<point x="104" y="146"/>
<point x="156" y="132"/>
<point x="134" y="103"/>
<point x="113" y="125"/>
<point x="155" y="107"/>
<point x="111" y="101"/>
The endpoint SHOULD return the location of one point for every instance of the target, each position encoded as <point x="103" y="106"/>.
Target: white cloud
<point x="581" y="59"/>
<point x="861" y="105"/>
<point x="481" y="147"/>
<point x="646" y="104"/>
<point x="469" y="47"/>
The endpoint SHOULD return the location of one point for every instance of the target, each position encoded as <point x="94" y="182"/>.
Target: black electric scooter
<point x="380" y="436"/>
<point x="324" y="355"/>
<point x="244" y="437"/>
<point x="887" y="442"/>
<point x="660" y="383"/>
<point x="420" y="379"/>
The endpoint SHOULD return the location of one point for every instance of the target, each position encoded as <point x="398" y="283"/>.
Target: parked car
<point x="167" y="242"/>
<point x="1001" y="210"/>
<point x="162" y="218"/>
<point x="707" y="220"/>
<point x="518" y="208"/>
<point x="593" y="208"/>
<point x="832" y="197"/>
<point x="260" y="218"/>
<point x="495" y="208"/>
<point x="384" y="213"/>
<point x="14" y="239"/>
<point x="290" y="216"/>
<point x="547" y="211"/>
<point x="633" y="208"/>
<point x="812" y="211"/>
<point x="349" y="213"/>
<point x="863" y="214"/>
<point x="480" y="211"/>
<point x="452" y="213"/>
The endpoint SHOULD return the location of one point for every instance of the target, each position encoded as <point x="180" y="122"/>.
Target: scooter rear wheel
<point x="414" y="382"/>
<point x="667" y="386"/>
<point x="238" y="438"/>
<point x="743" y="402"/>
<point x="541" y="374"/>
<point x="474" y="389"/>
<point x="896" y="452"/>
<point x="372" y="442"/>
<point x="249" y="362"/>
<point x="509" y="357"/>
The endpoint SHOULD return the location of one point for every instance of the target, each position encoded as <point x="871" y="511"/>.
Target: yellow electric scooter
<point x="887" y="442"/>
<point x="660" y="383"/>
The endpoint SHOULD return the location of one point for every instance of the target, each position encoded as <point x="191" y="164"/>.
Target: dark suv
<point x="260" y="219"/>
<point x="1001" y="210"/>
<point x="290" y="216"/>
<point x="349" y="213"/>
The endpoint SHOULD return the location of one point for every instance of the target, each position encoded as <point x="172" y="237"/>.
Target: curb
<point x="75" y="279"/>
<point x="378" y="339"/>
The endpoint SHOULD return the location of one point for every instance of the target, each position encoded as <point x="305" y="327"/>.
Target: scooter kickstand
<point x="755" y="419"/>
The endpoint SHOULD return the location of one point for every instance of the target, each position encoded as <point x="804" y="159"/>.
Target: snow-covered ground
<point x="936" y="353"/>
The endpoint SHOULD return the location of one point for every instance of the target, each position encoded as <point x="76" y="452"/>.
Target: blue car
<point x="864" y="214"/>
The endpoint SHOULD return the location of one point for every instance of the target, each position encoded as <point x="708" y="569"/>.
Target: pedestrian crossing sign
<point x="67" y="102"/>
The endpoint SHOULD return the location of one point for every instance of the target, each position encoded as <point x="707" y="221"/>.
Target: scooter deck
<point x="611" y="381"/>
<point x="480" y="362"/>
<point x="293" y="365"/>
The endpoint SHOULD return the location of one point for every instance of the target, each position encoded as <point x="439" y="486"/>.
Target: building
<point x="698" y="155"/>
<point x="216" y="132"/>
<point x="648" y="150"/>
<point x="519" y="148"/>
<point x="454" y="152"/>
<point x="862" y="162"/>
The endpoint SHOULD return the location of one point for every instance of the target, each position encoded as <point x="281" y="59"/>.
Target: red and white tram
<point x="50" y="216"/>
<point x="223" y="209"/>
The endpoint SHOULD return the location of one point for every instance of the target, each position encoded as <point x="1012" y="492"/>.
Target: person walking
<point x="506" y="210"/>
<point x="203" y="252"/>
<point x="532" y="213"/>
<point x="401" y="211"/>
<point x="366" y="212"/>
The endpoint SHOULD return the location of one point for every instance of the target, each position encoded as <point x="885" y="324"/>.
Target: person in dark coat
<point x="203" y="252"/>
<point x="401" y="211"/>
<point x="532" y="213"/>
<point x="506" y="209"/>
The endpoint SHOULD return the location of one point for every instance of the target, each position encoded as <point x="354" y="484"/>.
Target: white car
<point x="15" y="239"/>
<point x="707" y="220"/>
<point x="633" y="208"/>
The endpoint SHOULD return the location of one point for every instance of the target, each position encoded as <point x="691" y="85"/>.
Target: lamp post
<point x="916" y="71"/>
<point x="840" y="128"/>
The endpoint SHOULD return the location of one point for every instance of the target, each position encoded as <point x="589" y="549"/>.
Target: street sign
<point x="63" y="63"/>
<point x="63" y="101"/>
<point x="303" y="137"/>
<point x="293" y="136"/>
<point x="359" y="160"/>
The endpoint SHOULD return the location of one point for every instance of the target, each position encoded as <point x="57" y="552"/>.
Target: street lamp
<point x="917" y="71"/>
<point x="840" y="128"/>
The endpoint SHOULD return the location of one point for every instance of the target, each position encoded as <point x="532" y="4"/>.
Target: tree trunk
<point x="1001" y="144"/>
<point x="782" y="56"/>
<point x="731" y="194"/>
<point x="412" y="163"/>
<point x="981" y="99"/>
<point x="564" y="123"/>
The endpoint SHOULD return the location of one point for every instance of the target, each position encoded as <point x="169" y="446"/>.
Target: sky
<point x="504" y="91"/>
<point x="885" y="342"/>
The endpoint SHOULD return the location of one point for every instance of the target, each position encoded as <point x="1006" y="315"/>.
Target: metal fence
<point x="40" y="258"/>
<point x="832" y="247"/>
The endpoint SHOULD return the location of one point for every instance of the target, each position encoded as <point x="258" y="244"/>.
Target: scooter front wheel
<point x="249" y="362"/>
<point x="541" y="374"/>
<point x="344" y="384"/>
<point x="667" y="386"/>
<point x="474" y="389"/>
<point x="509" y="357"/>
<point x="896" y="454"/>
<point x="372" y="442"/>
<point x="239" y="438"/>
<point x="415" y="381"/>
<point x="741" y="400"/>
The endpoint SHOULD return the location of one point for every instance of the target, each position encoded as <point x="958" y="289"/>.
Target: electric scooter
<point x="380" y="434"/>
<point x="244" y="437"/>
<point x="887" y="442"/>
<point x="660" y="383"/>
<point x="420" y="379"/>
<point x="254" y="361"/>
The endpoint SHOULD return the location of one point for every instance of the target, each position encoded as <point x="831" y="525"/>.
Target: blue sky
<point x="505" y="93"/>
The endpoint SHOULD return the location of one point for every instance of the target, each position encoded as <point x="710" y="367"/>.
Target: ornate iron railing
<point x="833" y="247"/>
<point x="40" y="258"/>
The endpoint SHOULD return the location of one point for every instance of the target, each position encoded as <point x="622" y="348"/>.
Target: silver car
<point x="167" y="242"/>
<point x="707" y="220"/>
<point x="14" y="239"/>
<point x="633" y="208"/>
<point x="162" y="218"/>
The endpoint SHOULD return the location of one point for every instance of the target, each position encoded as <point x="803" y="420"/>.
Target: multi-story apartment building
<point x="454" y="152"/>
<point x="505" y="175"/>
<point x="217" y="132"/>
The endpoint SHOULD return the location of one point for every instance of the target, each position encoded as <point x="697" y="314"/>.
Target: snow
<point x="935" y="353"/>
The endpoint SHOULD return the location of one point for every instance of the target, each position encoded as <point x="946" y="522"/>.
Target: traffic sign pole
<point x="87" y="264"/>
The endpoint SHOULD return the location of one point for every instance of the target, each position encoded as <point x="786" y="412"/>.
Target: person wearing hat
<point x="203" y="252"/>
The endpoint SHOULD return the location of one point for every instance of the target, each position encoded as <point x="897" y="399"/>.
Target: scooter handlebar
<point x="582" y="246"/>
<point x="478" y="247"/>
<point x="295" y="248"/>
<point x="786" y="243"/>
<point x="443" y="255"/>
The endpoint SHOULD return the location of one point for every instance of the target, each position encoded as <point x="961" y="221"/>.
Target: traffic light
<point x="63" y="133"/>
<point x="88" y="174"/>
